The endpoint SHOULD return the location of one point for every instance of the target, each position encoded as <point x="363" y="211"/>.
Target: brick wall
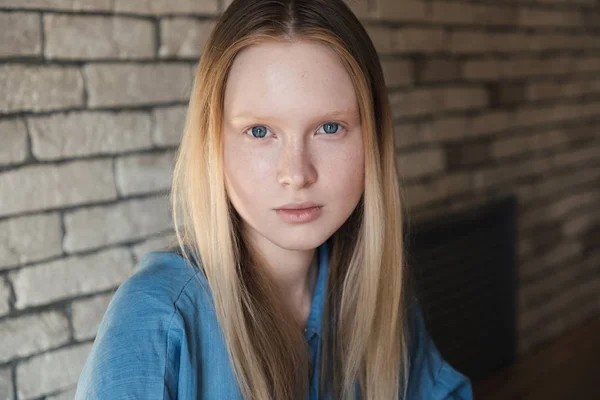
<point x="489" y="98"/>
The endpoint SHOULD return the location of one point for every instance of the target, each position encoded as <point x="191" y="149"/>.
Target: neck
<point x="294" y="273"/>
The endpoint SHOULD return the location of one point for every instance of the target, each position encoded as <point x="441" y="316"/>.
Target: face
<point x="293" y="147"/>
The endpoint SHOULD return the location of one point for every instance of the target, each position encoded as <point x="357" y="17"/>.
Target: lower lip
<point x="299" y="216"/>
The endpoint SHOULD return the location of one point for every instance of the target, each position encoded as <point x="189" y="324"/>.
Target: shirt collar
<point x="315" y="317"/>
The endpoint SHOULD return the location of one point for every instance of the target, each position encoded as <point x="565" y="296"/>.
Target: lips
<point x="299" y="213"/>
<point x="299" y="206"/>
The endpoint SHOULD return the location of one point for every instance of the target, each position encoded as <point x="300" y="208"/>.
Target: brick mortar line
<point x="57" y="306"/>
<point x="508" y="28"/>
<point x="81" y="253"/>
<point x="83" y="62"/>
<point x="22" y="359"/>
<point x="98" y="203"/>
<point x="115" y="109"/>
<point x="547" y="151"/>
<point x="13" y="371"/>
<point x="510" y="130"/>
<point x="157" y="37"/>
<point x="525" y="156"/>
<point x="98" y="13"/>
<point x="549" y="269"/>
<point x="42" y="36"/>
<point x="540" y="252"/>
<point x="477" y="112"/>
<point x="532" y="4"/>
<point x="139" y="108"/>
<point x="491" y="191"/>
<point x="374" y="22"/>
<point x="58" y="162"/>
<point x="483" y="83"/>
<point x="580" y="188"/>
<point x="459" y="198"/>
<point x="576" y="212"/>
<point x="578" y="299"/>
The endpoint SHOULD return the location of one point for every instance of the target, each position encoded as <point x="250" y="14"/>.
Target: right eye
<point x="258" y="131"/>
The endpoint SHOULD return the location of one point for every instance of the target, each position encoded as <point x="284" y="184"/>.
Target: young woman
<point x="288" y="281"/>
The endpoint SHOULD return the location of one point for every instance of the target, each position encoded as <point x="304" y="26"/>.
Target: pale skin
<point x="292" y="134"/>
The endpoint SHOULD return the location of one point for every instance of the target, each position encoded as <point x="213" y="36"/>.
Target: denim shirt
<point x="160" y="339"/>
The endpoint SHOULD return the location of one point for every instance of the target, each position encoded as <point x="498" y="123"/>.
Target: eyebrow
<point x="245" y="115"/>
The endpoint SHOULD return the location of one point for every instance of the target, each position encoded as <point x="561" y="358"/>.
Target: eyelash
<point x="340" y="128"/>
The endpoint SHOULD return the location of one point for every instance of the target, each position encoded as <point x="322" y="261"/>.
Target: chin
<point x="297" y="243"/>
<point x="301" y="239"/>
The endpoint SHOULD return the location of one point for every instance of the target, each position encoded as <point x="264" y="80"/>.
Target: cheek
<point x="245" y="172"/>
<point x="345" y="172"/>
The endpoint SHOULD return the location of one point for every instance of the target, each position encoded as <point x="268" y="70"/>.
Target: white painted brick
<point x="128" y="220"/>
<point x="146" y="173"/>
<point x="29" y="238"/>
<point x="6" y="386"/>
<point x="21" y="34"/>
<point x="183" y="37"/>
<point x="13" y="135"/>
<point x="67" y="395"/>
<point x="421" y="163"/>
<point x="51" y="372"/>
<point x="158" y="243"/>
<point x="133" y="84"/>
<point x="40" y="187"/>
<point x="72" y="276"/>
<point x="169" y="125"/>
<point x="39" y="88"/>
<point x="87" y="315"/>
<point x="4" y="299"/>
<point x="86" y="133"/>
<point x="158" y="7"/>
<point x="95" y="37"/>
<point x="30" y="334"/>
<point x="67" y="5"/>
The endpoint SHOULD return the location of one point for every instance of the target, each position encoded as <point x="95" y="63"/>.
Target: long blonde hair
<point x="364" y="335"/>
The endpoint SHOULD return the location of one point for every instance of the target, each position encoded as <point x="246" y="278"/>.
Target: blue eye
<point x="258" y="131"/>
<point x="330" y="128"/>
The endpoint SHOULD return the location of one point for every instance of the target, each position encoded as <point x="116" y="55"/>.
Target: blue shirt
<point x="160" y="339"/>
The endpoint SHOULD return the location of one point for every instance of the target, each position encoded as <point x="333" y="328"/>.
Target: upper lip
<point x="298" y="206"/>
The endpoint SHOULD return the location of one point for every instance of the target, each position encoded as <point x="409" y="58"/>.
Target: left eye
<point x="329" y="128"/>
<point x="258" y="132"/>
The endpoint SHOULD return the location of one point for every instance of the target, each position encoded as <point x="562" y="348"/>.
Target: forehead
<point x="289" y="77"/>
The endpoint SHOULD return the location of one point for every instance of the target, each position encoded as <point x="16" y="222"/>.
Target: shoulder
<point x="140" y="332"/>
<point x="431" y="377"/>
<point x="151" y="293"/>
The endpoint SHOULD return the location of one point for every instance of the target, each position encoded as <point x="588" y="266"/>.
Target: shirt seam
<point x="439" y="384"/>
<point x="169" y="333"/>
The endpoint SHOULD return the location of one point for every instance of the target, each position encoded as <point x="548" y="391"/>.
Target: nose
<point x="295" y="167"/>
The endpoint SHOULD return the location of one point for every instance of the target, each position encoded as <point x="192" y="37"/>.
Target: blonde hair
<point x="366" y="280"/>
